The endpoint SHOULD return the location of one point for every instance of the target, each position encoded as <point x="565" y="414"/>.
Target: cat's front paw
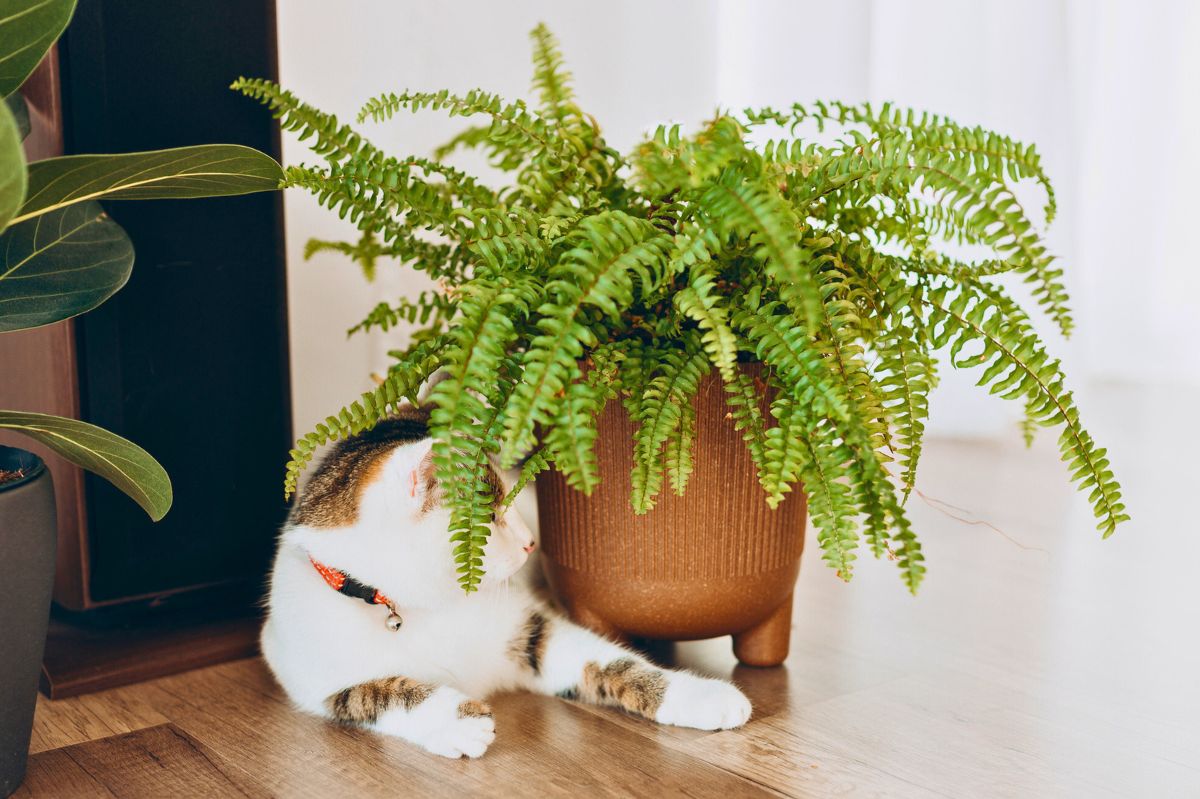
<point x="702" y="703"/>
<point x="447" y="723"/>
<point x="469" y="735"/>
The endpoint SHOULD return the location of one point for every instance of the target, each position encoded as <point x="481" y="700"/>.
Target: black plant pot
<point x="28" y="538"/>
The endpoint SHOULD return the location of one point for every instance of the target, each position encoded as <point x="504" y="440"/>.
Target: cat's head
<point x="374" y="510"/>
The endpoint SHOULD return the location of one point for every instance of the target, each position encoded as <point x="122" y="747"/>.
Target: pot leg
<point x="766" y="644"/>
<point x="597" y="624"/>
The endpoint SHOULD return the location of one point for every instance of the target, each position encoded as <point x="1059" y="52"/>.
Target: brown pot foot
<point x="597" y="624"/>
<point x="766" y="644"/>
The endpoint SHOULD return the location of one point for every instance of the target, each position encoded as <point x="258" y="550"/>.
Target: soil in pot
<point x="28" y="536"/>
<point x="716" y="561"/>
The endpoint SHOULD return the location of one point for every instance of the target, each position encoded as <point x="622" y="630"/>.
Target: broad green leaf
<point x="123" y="463"/>
<point x="12" y="167"/>
<point x="27" y="29"/>
<point x="60" y="264"/>
<point x="208" y="170"/>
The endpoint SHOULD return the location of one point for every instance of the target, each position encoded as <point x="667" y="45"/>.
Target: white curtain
<point x="1109" y="90"/>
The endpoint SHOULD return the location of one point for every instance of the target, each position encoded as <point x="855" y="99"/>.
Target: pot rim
<point x="17" y="459"/>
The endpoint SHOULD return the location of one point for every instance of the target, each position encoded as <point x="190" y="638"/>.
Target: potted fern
<point x="776" y="304"/>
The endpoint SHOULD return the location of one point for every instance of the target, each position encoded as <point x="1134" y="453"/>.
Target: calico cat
<point x="367" y="625"/>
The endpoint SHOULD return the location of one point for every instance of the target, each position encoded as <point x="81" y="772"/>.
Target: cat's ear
<point x="420" y="481"/>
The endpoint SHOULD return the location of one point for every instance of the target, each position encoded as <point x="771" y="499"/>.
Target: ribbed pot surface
<point x="715" y="561"/>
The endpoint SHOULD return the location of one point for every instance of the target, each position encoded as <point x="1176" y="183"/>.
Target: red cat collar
<point x="345" y="584"/>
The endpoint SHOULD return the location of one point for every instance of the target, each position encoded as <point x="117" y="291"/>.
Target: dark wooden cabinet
<point x="189" y="360"/>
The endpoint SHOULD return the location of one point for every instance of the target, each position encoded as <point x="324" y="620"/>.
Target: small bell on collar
<point x="394" y="622"/>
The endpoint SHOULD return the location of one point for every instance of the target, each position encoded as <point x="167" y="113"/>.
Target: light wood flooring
<point x="1037" y="661"/>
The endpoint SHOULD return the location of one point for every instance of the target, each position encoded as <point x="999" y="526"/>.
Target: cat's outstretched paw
<point x="448" y="723"/>
<point x="702" y="703"/>
<point x="470" y="736"/>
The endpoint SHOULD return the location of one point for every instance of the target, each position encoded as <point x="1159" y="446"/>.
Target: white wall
<point x="1108" y="89"/>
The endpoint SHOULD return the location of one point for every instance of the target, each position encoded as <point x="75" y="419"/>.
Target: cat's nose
<point x="528" y="547"/>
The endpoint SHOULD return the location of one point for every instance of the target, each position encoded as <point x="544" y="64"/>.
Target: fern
<point x="701" y="303"/>
<point x="597" y="273"/>
<point x="500" y="239"/>
<point x="663" y="409"/>
<point x="462" y="414"/>
<point x="808" y="272"/>
<point x="756" y="212"/>
<point x="1018" y="367"/>
<point x="330" y="139"/>
<point x="365" y="252"/>
<point x="551" y="80"/>
<point x="537" y="463"/>
<point x="806" y="449"/>
<point x="744" y="396"/>
<point x="905" y="376"/>
<point x="432" y="308"/>
<point x="571" y="436"/>
<point x="512" y="123"/>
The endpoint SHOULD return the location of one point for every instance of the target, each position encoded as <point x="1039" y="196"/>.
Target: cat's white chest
<point x="320" y="640"/>
<point x="463" y="645"/>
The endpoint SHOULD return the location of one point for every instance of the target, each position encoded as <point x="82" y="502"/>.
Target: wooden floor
<point x="1037" y="661"/>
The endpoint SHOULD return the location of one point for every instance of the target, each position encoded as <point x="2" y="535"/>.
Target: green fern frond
<point x="678" y="456"/>
<point x="537" y="463"/>
<point x="908" y="554"/>
<point x="806" y="447"/>
<point x="433" y="308"/>
<point x="366" y="207"/>
<point x="504" y="239"/>
<point x="1017" y="367"/>
<point x="744" y="396"/>
<point x="974" y="204"/>
<point x="700" y="302"/>
<point x="934" y="264"/>
<point x="986" y="151"/>
<point x="1029" y="424"/>
<point x="839" y="343"/>
<point x="759" y="214"/>
<point x="512" y="123"/>
<point x="906" y="376"/>
<point x="330" y="139"/>
<point x="571" y="434"/>
<point x="551" y="80"/>
<point x="596" y="274"/>
<point x="786" y="449"/>
<point x="995" y="215"/>
<point x="469" y="138"/>
<point x="461" y="403"/>
<point x="786" y="347"/>
<point x="660" y="414"/>
<point x="365" y="252"/>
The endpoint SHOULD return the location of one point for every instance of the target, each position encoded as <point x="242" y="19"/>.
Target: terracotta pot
<point x="716" y="561"/>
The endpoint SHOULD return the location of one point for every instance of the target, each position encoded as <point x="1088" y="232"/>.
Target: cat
<point x="368" y="626"/>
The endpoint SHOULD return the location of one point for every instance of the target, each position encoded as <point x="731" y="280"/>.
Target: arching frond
<point x="597" y="274"/>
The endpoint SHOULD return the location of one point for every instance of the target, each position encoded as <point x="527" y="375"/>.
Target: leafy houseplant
<point x="61" y="255"/>
<point x="806" y="239"/>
